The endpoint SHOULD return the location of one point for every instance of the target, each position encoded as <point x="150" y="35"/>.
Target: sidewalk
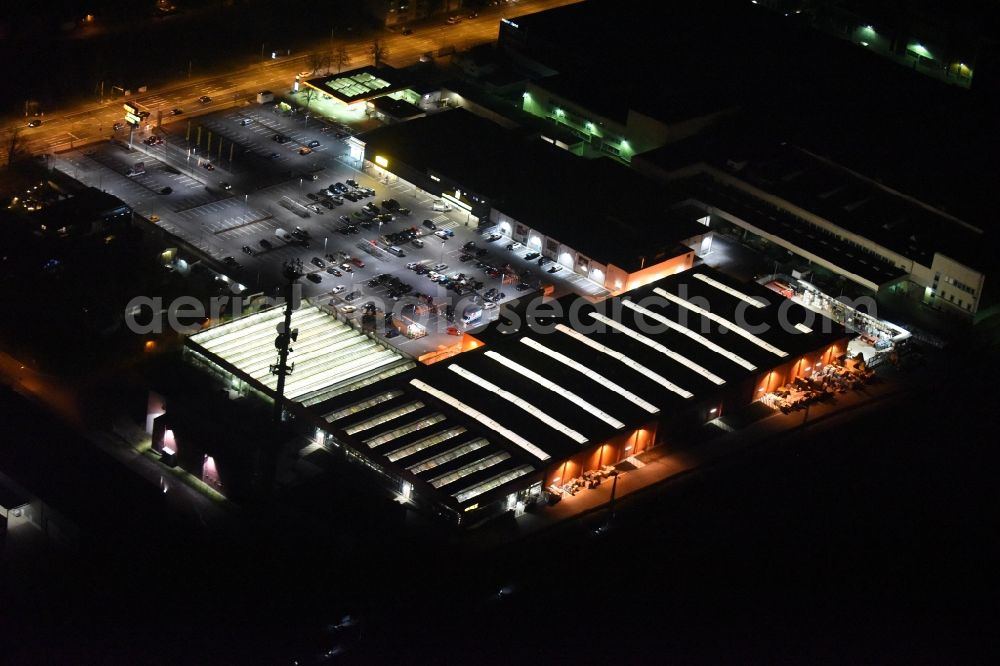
<point x="663" y="464"/>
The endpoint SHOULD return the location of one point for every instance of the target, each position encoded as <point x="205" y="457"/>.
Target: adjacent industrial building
<point x="878" y="238"/>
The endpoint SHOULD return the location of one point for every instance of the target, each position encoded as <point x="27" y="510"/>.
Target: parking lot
<point x="258" y="187"/>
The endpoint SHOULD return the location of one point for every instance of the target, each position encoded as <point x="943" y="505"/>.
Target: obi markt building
<point x="537" y="401"/>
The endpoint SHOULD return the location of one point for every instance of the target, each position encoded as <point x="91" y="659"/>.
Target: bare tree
<point x="341" y="58"/>
<point x="378" y="51"/>
<point x="13" y="146"/>
<point x="311" y="94"/>
<point x="316" y="61"/>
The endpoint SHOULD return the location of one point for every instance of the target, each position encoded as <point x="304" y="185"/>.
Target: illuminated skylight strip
<point x="424" y="443"/>
<point x="803" y="328"/>
<point x="555" y="424"/>
<point x="482" y="418"/>
<point x="584" y="370"/>
<point x="649" y="342"/>
<point x="361" y="406"/>
<point x="401" y="431"/>
<point x="622" y="358"/>
<point x="763" y="344"/>
<point x="729" y="290"/>
<point x="491" y="483"/>
<point x="473" y="467"/>
<point x="697" y="337"/>
<point x="555" y="388"/>
<point x="384" y="417"/>
<point x="450" y="454"/>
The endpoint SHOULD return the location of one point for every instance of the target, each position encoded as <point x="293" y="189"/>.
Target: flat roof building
<point x="873" y="235"/>
<point x="594" y="217"/>
<point x="360" y="85"/>
<point x="542" y="400"/>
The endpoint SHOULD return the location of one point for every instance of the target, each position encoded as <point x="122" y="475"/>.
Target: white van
<point x="441" y="205"/>
<point x="265" y="96"/>
<point x="392" y="249"/>
<point x="472" y="313"/>
<point x="283" y="235"/>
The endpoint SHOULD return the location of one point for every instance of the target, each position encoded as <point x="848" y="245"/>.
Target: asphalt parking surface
<point x="266" y="186"/>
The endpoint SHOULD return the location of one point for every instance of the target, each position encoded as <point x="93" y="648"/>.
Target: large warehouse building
<point x="540" y="400"/>
<point x="594" y="217"/>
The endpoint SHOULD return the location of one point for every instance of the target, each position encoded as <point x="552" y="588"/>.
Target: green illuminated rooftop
<point x="360" y="84"/>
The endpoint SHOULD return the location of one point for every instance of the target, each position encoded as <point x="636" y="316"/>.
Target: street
<point x="63" y="129"/>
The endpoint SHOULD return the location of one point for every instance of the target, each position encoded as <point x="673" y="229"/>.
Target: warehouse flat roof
<point x="580" y="202"/>
<point x="895" y="221"/>
<point x="543" y="393"/>
<point x="807" y="237"/>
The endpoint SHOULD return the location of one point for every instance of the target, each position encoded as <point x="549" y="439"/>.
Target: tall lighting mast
<point x="292" y="271"/>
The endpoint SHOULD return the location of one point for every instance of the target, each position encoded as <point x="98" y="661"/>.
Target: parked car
<point x="265" y="244"/>
<point x="314" y="277"/>
<point x="351" y="182"/>
<point x="430" y="225"/>
<point x="531" y="255"/>
<point x="417" y="242"/>
<point x="248" y="250"/>
<point x="313" y="144"/>
<point x="317" y="262"/>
